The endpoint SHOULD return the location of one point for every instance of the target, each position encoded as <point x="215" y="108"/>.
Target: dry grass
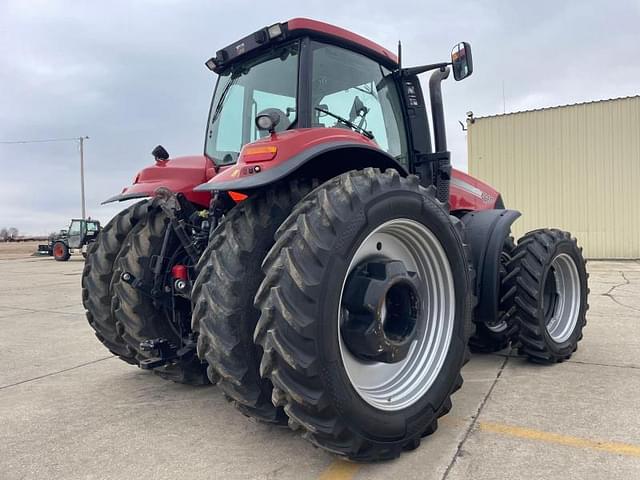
<point x="10" y="250"/>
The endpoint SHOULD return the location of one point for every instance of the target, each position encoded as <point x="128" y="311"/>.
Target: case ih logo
<point x="484" y="196"/>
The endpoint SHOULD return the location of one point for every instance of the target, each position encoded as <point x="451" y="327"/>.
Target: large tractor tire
<point x="223" y="312"/>
<point x="549" y="274"/>
<point x="365" y="314"/>
<point x="61" y="252"/>
<point x="97" y="276"/>
<point x="489" y="338"/>
<point x="139" y="318"/>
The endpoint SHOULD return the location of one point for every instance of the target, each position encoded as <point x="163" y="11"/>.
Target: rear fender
<point x="319" y="152"/>
<point x="486" y="232"/>
<point x="180" y="175"/>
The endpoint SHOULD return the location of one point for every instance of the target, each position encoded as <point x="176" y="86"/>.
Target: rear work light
<point x="274" y="31"/>
<point x="259" y="153"/>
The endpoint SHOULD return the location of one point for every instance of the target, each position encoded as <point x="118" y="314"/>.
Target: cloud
<point x="130" y="75"/>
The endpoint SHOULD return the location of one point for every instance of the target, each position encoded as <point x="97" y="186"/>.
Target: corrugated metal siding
<point x="575" y="167"/>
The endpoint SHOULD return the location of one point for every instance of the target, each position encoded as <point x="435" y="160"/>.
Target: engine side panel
<point x="470" y="194"/>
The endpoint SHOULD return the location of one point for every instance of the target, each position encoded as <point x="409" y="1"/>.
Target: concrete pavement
<point x="70" y="410"/>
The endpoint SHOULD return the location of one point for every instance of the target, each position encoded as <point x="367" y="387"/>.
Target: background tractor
<point x="77" y="237"/>
<point x="322" y="260"/>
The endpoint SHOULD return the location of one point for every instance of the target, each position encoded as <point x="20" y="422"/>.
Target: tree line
<point x="8" y="234"/>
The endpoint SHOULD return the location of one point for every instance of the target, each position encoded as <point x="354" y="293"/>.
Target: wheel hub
<point x="381" y="310"/>
<point x="394" y="386"/>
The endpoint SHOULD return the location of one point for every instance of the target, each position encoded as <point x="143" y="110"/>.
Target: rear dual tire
<point x="299" y="327"/>
<point x="97" y="279"/>
<point x="121" y="316"/>
<point x="138" y="318"/>
<point x="223" y="293"/>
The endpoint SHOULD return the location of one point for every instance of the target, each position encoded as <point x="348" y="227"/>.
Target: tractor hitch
<point x="164" y="352"/>
<point x="180" y="212"/>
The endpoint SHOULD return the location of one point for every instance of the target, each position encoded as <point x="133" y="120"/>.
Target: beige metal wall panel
<point x="575" y="167"/>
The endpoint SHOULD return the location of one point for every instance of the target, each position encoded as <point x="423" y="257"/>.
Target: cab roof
<point x="298" y="27"/>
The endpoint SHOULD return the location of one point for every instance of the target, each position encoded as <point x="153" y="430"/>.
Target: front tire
<point x="323" y="376"/>
<point x="550" y="304"/>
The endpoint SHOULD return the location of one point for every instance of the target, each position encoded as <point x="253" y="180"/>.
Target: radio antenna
<point x="399" y="55"/>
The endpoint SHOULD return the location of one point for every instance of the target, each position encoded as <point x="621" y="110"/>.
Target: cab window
<point x="74" y="228"/>
<point x="359" y="90"/>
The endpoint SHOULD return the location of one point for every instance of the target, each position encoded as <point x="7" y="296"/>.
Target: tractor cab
<point x="77" y="237"/>
<point x="302" y="84"/>
<point x="81" y="232"/>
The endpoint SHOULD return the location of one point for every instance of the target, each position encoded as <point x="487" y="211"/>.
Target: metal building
<point x="575" y="167"/>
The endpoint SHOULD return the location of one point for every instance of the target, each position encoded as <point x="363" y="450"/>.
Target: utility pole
<point x="504" y="100"/>
<point x="84" y="209"/>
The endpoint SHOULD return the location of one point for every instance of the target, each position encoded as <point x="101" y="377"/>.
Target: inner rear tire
<point x="223" y="311"/>
<point x="315" y="378"/>
<point x="493" y="338"/>
<point x="550" y="304"/>
<point x="137" y="316"/>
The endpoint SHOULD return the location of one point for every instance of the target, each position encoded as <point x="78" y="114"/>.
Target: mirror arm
<point x="424" y="68"/>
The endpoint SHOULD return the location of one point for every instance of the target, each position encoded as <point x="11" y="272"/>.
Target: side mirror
<point x="461" y="61"/>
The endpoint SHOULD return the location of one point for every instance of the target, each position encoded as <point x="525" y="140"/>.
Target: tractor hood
<point x="180" y="175"/>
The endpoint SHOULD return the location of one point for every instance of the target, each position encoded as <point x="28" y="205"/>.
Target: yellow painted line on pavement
<point x="555" y="438"/>
<point x="340" y="470"/>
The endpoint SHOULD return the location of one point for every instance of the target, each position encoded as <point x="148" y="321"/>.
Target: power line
<point x="80" y="141"/>
<point x="46" y="140"/>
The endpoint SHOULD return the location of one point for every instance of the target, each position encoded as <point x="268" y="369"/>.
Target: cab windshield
<point x="269" y="81"/>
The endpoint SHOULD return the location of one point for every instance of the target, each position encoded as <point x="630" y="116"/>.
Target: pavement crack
<point x="609" y="293"/>
<point x="56" y="372"/>
<point x="581" y="362"/>
<point x="595" y="364"/>
<point x="625" y="282"/>
<point x="36" y="310"/>
<point x="474" y="422"/>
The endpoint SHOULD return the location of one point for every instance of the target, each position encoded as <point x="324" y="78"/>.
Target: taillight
<point x="237" y="196"/>
<point x="259" y="153"/>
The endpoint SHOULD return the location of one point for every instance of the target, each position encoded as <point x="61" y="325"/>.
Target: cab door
<point x="75" y="233"/>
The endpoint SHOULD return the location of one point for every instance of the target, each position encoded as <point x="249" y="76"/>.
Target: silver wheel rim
<point x="395" y="386"/>
<point x="564" y="316"/>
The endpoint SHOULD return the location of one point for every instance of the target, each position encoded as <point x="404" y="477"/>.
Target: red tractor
<point x="322" y="263"/>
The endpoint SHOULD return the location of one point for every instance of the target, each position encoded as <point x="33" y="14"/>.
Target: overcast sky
<point x="131" y="75"/>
